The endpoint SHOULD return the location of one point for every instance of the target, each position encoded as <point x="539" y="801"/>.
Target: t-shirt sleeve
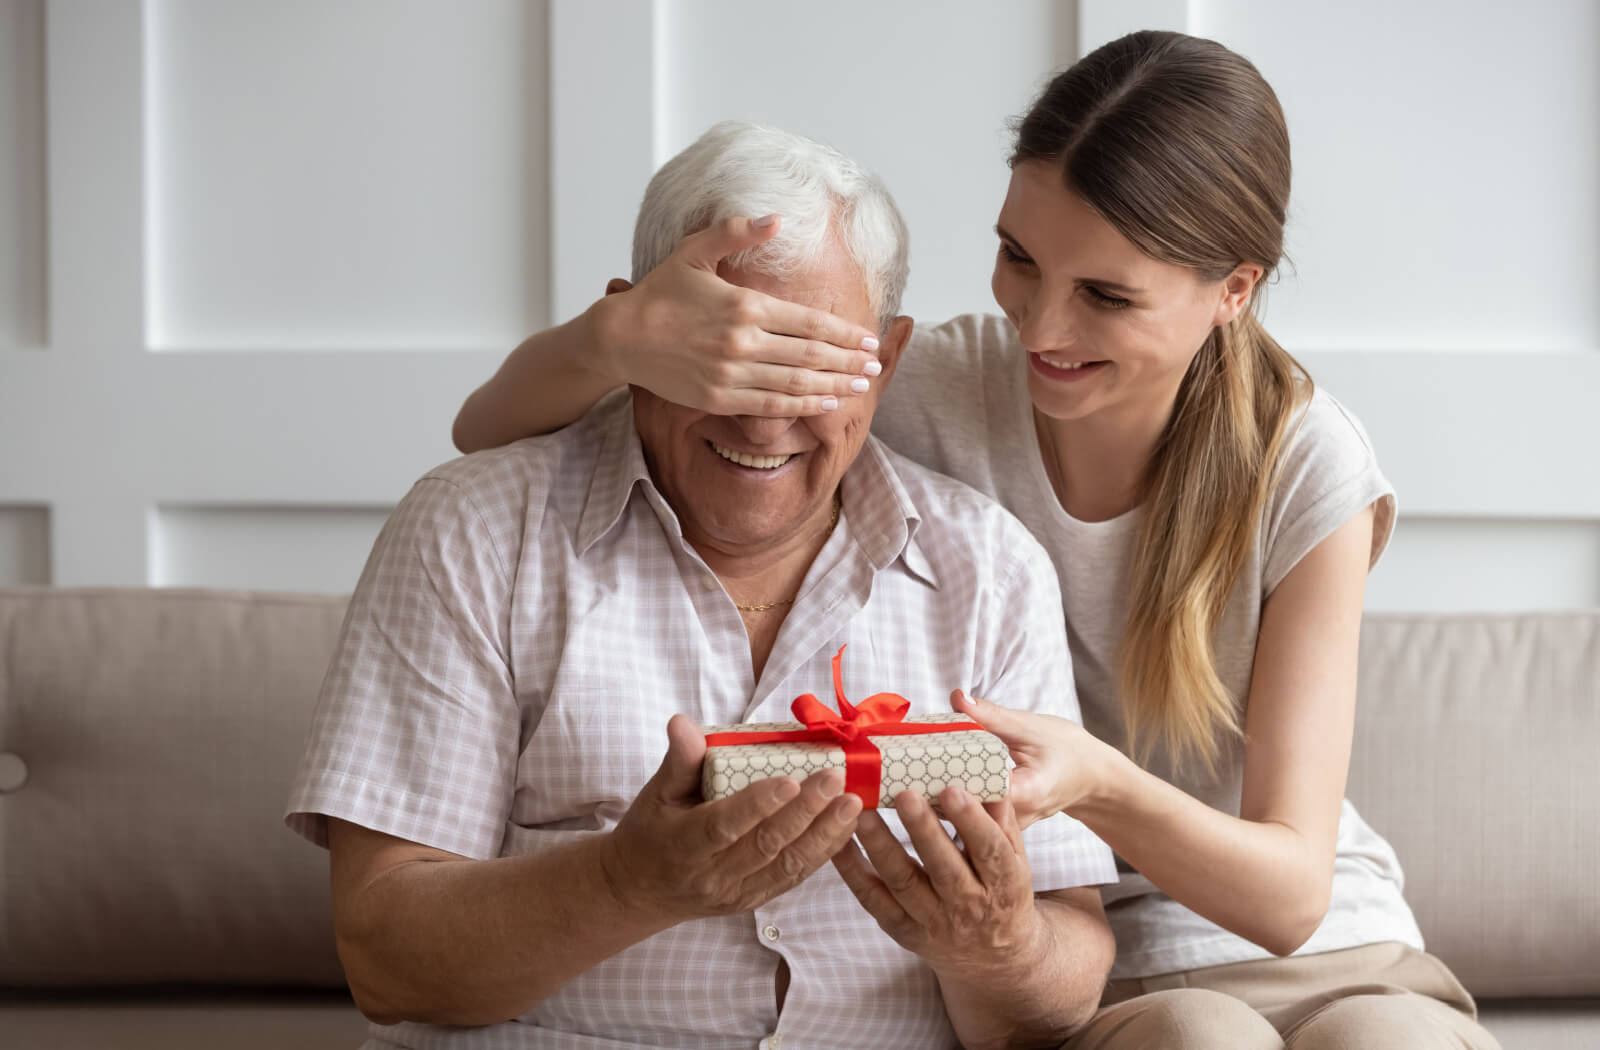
<point x="1029" y="668"/>
<point x="933" y="409"/>
<point x="417" y="728"/>
<point x="1330" y="474"/>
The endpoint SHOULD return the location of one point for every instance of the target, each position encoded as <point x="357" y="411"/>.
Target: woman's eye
<point x="1110" y="302"/>
<point x="1010" y="255"/>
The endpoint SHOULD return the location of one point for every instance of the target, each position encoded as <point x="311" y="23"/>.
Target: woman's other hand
<point x="690" y="337"/>
<point x="1056" y="759"/>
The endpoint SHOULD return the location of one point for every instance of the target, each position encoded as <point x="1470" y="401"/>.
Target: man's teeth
<point x="746" y="460"/>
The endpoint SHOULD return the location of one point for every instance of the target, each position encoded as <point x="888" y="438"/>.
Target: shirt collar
<point x="618" y="466"/>
<point x="882" y="518"/>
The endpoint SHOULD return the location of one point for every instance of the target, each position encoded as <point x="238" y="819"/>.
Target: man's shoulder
<point x="536" y="469"/>
<point x="960" y="521"/>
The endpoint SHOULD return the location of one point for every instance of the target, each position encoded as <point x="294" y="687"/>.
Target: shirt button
<point x="774" y="1041"/>
<point x="709" y="583"/>
<point x="771" y="932"/>
<point x="13" y="773"/>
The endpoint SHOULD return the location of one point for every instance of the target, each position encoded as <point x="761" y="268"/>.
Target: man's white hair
<point x="743" y="168"/>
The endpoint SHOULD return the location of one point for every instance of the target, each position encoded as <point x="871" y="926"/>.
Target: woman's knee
<point x="1388" y="1022"/>
<point x="1192" y="1018"/>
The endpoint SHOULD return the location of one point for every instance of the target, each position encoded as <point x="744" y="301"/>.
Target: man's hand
<point x="685" y="859"/>
<point x="966" y="912"/>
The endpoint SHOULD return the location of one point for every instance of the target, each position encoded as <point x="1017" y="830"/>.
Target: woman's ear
<point x="1237" y="288"/>
<point x="617" y="284"/>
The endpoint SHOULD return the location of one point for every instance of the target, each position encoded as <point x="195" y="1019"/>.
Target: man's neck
<point x="774" y="571"/>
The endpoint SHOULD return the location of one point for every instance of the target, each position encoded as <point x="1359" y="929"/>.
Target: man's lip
<point x="751" y="452"/>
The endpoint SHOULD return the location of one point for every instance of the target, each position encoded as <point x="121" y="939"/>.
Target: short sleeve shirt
<point x="959" y="403"/>
<point x="531" y="617"/>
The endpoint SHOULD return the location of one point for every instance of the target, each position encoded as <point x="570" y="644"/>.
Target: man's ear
<point x="617" y="284"/>
<point x="892" y="345"/>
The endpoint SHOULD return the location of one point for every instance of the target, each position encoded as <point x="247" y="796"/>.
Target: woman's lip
<point x="1064" y="375"/>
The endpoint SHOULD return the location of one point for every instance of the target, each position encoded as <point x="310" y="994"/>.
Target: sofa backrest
<point x="1477" y="755"/>
<point x="161" y="729"/>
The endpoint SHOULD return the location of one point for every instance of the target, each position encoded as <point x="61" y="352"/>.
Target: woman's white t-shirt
<point x="959" y="403"/>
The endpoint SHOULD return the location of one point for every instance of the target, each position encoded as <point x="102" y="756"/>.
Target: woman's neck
<point x="1097" y="464"/>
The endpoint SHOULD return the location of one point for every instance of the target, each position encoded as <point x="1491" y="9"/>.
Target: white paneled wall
<point x="253" y="254"/>
<point x="1447" y="169"/>
<point x="919" y="91"/>
<point x="22" y="227"/>
<point x="358" y="174"/>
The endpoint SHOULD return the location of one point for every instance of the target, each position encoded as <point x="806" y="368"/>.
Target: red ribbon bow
<point x="881" y="714"/>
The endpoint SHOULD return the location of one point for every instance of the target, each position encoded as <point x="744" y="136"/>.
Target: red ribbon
<point x="882" y="714"/>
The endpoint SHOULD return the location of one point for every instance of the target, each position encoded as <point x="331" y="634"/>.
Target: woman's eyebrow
<point x="1004" y="236"/>
<point x="1099" y="282"/>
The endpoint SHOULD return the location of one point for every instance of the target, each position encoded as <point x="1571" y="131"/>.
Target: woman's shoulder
<point x="954" y="364"/>
<point x="1325" y="439"/>
<point x="1328" y="473"/>
<point x="951" y="402"/>
<point x="964" y="337"/>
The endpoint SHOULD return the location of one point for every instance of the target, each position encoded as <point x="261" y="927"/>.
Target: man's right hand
<point x="686" y="859"/>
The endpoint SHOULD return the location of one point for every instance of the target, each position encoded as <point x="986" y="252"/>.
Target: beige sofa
<point x="150" y="895"/>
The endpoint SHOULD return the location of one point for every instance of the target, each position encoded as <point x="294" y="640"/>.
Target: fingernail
<point x="957" y="798"/>
<point x="847" y="809"/>
<point x="859" y="386"/>
<point x="785" y="789"/>
<point x="766" y="220"/>
<point x="869" y="343"/>
<point x="832" y="784"/>
<point x="873" y="368"/>
<point x="829" y="404"/>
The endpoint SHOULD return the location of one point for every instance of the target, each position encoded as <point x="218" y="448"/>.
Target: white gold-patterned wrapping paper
<point x="925" y="763"/>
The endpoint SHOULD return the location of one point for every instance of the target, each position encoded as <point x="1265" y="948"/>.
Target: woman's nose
<point x="1049" y="323"/>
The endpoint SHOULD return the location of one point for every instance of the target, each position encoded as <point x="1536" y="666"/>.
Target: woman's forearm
<point x="548" y="381"/>
<point x="1265" y="882"/>
<point x="473" y="942"/>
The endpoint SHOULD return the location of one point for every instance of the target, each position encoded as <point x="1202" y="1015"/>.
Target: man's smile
<point x="745" y="459"/>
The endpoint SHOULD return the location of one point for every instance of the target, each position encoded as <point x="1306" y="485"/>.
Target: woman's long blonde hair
<point x="1181" y="145"/>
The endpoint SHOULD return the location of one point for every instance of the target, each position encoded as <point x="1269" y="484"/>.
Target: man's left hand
<point x="967" y="912"/>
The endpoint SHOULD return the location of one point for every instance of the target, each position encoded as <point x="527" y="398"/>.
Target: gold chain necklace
<point x="790" y="601"/>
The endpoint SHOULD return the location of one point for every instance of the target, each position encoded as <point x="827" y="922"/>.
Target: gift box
<point x="881" y="750"/>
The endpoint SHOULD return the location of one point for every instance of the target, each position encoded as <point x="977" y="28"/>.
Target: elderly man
<point x="515" y="865"/>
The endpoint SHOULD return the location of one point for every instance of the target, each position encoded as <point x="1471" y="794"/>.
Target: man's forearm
<point x="1040" y="998"/>
<point x="474" y="942"/>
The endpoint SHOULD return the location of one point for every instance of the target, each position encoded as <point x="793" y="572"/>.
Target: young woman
<point x="1211" y="514"/>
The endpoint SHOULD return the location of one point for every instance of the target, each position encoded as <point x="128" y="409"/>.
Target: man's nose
<point x="763" y="430"/>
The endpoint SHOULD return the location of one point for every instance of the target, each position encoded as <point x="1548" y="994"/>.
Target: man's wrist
<point x="1004" y="970"/>
<point x="624" y="897"/>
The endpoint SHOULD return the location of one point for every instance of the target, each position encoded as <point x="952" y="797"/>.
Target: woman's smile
<point x="1065" y="371"/>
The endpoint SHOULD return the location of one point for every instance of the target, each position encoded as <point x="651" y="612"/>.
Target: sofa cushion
<point x="1475" y="755"/>
<point x="160" y="730"/>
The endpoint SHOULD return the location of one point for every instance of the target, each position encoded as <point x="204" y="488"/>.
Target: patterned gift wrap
<point x="882" y="751"/>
